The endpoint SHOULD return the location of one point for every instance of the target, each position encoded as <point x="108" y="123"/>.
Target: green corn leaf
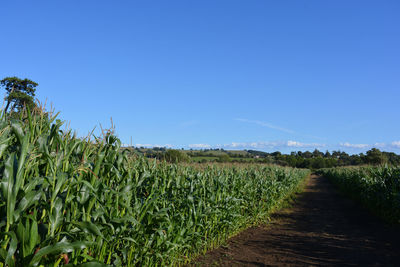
<point x="71" y="150"/>
<point x="56" y="216"/>
<point x="60" y="181"/>
<point x="4" y="143"/>
<point x="89" y="227"/>
<point x="34" y="237"/>
<point x="7" y="185"/>
<point x="60" y="247"/>
<point x="88" y="185"/>
<point x="43" y="147"/>
<point x="99" y="161"/>
<point x="84" y="194"/>
<point x="19" y="180"/>
<point x="27" y="234"/>
<point x="30" y="185"/>
<point x="29" y="199"/>
<point x="21" y="236"/>
<point x="3" y="254"/>
<point x="17" y="130"/>
<point x="11" y="249"/>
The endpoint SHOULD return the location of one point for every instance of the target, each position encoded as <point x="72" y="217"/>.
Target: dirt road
<point x="322" y="228"/>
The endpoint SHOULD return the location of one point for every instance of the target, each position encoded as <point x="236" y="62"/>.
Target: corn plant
<point x="66" y="201"/>
<point x="377" y="188"/>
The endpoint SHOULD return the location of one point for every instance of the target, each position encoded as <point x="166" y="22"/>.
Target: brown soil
<point x="322" y="228"/>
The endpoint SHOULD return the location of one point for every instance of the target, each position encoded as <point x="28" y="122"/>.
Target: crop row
<point x="66" y="200"/>
<point x="377" y="188"/>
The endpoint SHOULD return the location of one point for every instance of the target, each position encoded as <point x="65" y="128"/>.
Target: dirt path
<point x="322" y="228"/>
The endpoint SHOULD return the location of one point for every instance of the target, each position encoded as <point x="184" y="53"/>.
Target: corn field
<point x="377" y="188"/>
<point x="67" y="201"/>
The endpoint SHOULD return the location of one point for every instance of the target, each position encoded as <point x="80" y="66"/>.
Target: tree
<point x="176" y="156"/>
<point x="318" y="163"/>
<point x="20" y="93"/>
<point x="307" y="155"/>
<point x="224" y="158"/>
<point x="375" y="157"/>
<point x="317" y="153"/>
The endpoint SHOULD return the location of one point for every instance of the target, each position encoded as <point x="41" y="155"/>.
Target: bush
<point x="224" y="158"/>
<point x="176" y="156"/>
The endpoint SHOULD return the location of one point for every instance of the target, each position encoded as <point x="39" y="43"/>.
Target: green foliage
<point x="65" y="200"/>
<point x="20" y="93"/>
<point x="375" y="157"/>
<point x="378" y="188"/>
<point x="224" y="158"/>
<point x="310" y="160"/>
<point x="175" y="156"/>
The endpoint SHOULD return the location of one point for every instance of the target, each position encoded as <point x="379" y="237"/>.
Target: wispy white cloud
<point x="272" y="145"/>
<point x="395" y="144"/>
<point x="299" y="144"/>
<point x="200" y="146"/>
<point x="254" y="145"/>
<point x="267" y="124"/>
<point x="359" y="146"/>
<point x="380" y="145"/>
<point x="154" y="145"/>
<point x="278" y="128"/>
<point x="384" y="146"/>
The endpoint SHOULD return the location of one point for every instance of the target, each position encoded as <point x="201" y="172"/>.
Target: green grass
<point x="199" y="159"/>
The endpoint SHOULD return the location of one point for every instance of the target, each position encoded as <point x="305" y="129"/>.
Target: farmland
<point x="243" y="133"/>
<point x="345" y="216"/>
<point x="377" y="188"/>
<point x="322" y="228"/>
<point x="68" y="200"/>
<point x="300" y="159"/>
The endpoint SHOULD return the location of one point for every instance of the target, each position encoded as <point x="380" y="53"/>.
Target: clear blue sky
<point x="267" y="75"/>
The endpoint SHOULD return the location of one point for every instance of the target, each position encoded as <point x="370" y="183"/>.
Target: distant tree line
<point x="299" y="159"/>
<point x="318" y="159"/>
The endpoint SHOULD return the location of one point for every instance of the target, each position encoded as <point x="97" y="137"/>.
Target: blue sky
<point x="267" y="75"/>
